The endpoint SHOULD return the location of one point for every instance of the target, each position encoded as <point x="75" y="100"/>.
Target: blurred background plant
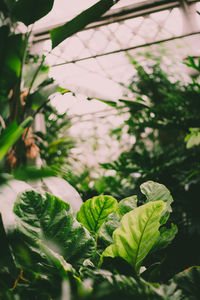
<point x="159" y="153"/>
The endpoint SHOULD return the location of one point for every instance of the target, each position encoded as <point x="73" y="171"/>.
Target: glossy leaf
<point x="8" y="195"/>
<point x="42" y="95"/>
<point x="50" y="221"/>
<point x="60" y="188"/>
<point x="107" y="229"/>
<point x="127" y="204"/>
<point x="112" y="286"/>
<point x="166" y="237"/>
<point x="154" y="192"/>
<point x="188" y="282"/>
<point x="138" y="232"/>
<point x="91" y="14"/>
<point x="56" y="260"/>
<point x="11" y="135"/>
<point x="95" y="211"/>
<point x="29" y="11"/>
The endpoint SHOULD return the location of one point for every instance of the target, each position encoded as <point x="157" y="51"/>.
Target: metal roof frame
<point x="120" y="14"/>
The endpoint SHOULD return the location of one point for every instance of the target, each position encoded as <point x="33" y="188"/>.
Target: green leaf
<point x="42" y="95"/>
<point x="11" y="50"/>
<point x="11" y="135"/>
<point x="193" y="139"/>
<point x="95" y="211"/>
<point x="168" y="292"/>
<point x="30" y="173"/>
<point x="50" y="221"/>
<point x="127" y="204"/>
<point x="138" y="232"/>
<point x="6" y="257"/>
<point x="112" y="286"/>
<point x="8" y="195"/>
<point x="56" y="260"/>
<point x="166" y="237"/>
<point x="155" y="192"/>
<point x="107" y="228"/>
<point x="188" y="282"/>
<point x="29" y="11"/>
<point x="30" y="70"/>
<point x="88" y="16"/>
<point x="137" y="105"/>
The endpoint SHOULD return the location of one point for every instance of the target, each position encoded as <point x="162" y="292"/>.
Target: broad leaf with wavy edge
<point x="166" y="237"/>
<point x="188" y="282"/>
<point x="137" y="234"/>
<point x="106" y="230"/>
<point x="94" y="212"/>
<point x="45" y="219"/>
<point x="127" y="204"/>
<point x="154" y="192"/>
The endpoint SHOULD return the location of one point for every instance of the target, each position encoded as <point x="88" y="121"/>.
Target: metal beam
<point x="117" y="15"/>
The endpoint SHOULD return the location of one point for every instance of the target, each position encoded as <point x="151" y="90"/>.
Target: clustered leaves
<point x="45" y="242"/>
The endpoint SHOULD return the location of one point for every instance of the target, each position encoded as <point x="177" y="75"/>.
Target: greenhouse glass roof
<point x="100" y="51"/>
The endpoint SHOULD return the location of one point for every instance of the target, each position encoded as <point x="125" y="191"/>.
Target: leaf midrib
<point x="141" y="238"/>
<point x="102" y="208"/>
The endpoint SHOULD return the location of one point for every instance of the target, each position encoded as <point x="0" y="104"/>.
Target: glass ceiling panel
<point x="102" y="51"/>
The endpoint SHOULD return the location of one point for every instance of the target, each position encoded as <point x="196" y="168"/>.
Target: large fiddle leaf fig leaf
<point x="91" y="14"/>
<point x="154" y="192"/>
<point x="106" y="230"/>
<point x="188" y="282"/>
<point x="29" y="11"/>
<point x="94" y="212"/>
<point x="137" y="234"/>
<point x="127" y="204"/>
<point x="47" y="220"/>
<point x="166" y="237"/>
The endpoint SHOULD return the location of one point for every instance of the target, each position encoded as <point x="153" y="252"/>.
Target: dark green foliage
<point x="78" y="23"/>
<point x="160" y="153"/>
<point x="28" y="11"/>
<point x="55" y="144"/>
<point x="48" y="220"/>
<point x="45" y="237"/>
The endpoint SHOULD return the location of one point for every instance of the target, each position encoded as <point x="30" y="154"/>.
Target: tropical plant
<point x="25" y="87"/>
<point x="159" y="152"/>
<point x="98" y="254"/>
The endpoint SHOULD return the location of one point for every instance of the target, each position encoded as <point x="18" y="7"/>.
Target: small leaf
<point x="28" y="74"/>
<point x="88" y="16"/>
<point x="155" y="192"/>
<point x="42" y="95"/>
<point x="127" y="204"/>
<point x="137" y="234"/>
<point x="94" y="212"/>
<point x="11" y="135"/>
